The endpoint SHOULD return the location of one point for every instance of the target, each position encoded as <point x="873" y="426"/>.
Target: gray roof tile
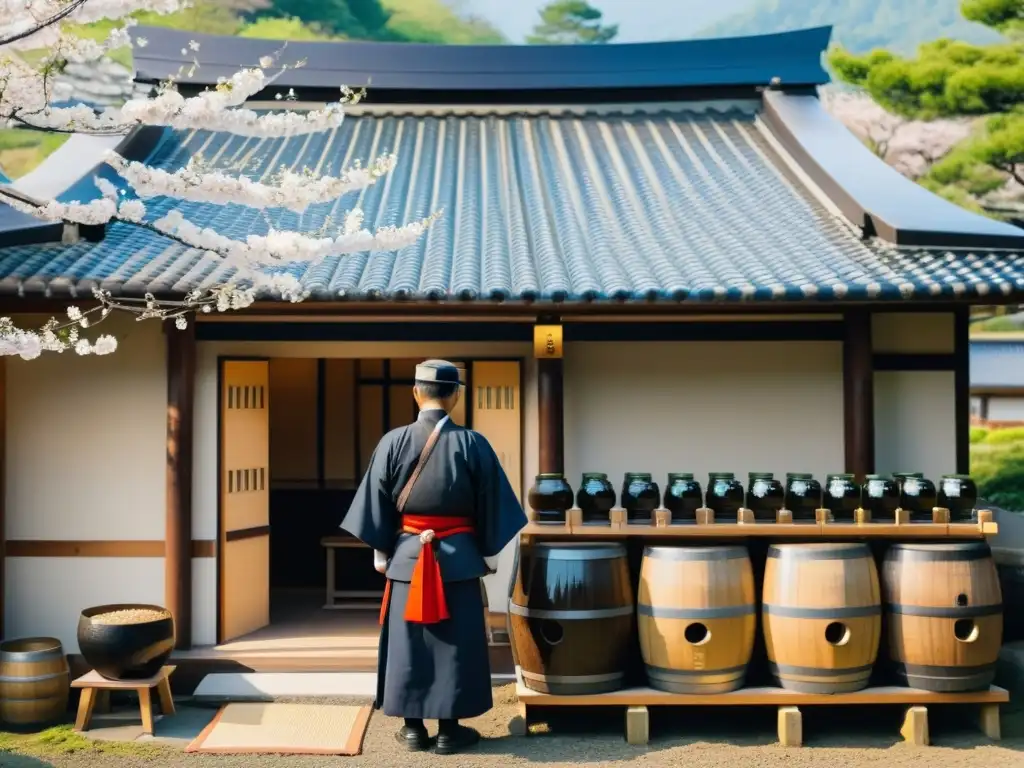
<point x="676" y="205"/>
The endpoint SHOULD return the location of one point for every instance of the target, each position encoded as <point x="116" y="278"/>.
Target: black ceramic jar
<point x="550" y="498"/>
<point x="724" y="495"/>
<point x="640" y="497"/>
<point x="595" y="498"/>
<point x="958" y="494"/>
<point x="803" y="495"/>
<point x="880" y="495"/>
<point x="126" y="641"/>
<point x="917" y="495"/>
<point x="842" y="496"/>
<point x="765" y="495"/>
<point x="683" y="497"/>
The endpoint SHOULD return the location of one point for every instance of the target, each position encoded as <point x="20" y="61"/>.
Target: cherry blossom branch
<point x="14" y="37"/>
<point x="291" y="190"/>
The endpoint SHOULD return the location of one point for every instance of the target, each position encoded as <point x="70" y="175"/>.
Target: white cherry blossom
<point x="261" y="263"/>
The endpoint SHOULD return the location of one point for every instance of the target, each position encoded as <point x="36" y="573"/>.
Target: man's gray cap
<point x="437" y="371"/>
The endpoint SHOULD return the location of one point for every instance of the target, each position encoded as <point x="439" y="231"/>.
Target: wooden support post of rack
<point x="520" y="724"/>
<point x="987" y="523"/>
<point x="744" y="516"/>
<point x="638" y="726"/>
<point x="915" y="726"/>
<point x="940" y="515"/>
<point x="791" y="727"/>
<point x="662" y="518"/>
<point x="862" y="516"/>
<point x="823" y="516"/>
<point x="902" y="516"/>
<point x="989" y="721"/>
<point x="574" y="518"/>
<point x="705" y="516"/>
<point x="617" y="518"/>
<point x="783" y="517"/>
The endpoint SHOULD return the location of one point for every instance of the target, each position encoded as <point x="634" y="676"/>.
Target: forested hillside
<point x="859" y="25"/>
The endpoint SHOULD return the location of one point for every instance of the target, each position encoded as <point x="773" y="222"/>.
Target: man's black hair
<point x="437" y="390"/>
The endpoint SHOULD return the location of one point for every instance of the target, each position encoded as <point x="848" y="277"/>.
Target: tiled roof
<point x="997" y="364"/>
<point x="674" y="205"/>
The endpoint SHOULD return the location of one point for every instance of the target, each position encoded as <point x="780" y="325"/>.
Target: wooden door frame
<point x="221" y="360"/>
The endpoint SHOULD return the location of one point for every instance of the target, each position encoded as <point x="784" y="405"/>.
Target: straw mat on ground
<point x="285" y="729"/>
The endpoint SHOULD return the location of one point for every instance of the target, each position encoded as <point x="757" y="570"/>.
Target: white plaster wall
<point x="45" y="595"/>
<point x="703" y="406"/>
<point x="915" y="422"/>
<point x="86" y="441"/>
<point x="85" y="461"/>
<point x="913" y="332"/>
<point x="204" y="601"/>
<point x="204" y="498"/>
<point x="1005" y="408"/>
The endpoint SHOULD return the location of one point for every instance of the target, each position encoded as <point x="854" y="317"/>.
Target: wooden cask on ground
<point x="696" y="617"/>
<point x="571" y="617"/>
<point x="945" y="615"/>
<point x="822" y="616"/>
<point x="34" y="682"/>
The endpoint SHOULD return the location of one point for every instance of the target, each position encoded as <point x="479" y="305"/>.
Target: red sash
<point x="427" y="603"/>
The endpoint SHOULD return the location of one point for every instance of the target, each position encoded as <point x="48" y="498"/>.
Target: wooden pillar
<point x="181" y="384"/>
<point x="858" y="394"/>
<point x="3" y="484"/>
<point x="962" y="388"/>
<point x="547" y="348"/>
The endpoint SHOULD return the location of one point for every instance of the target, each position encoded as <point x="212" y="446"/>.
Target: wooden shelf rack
<point x="914" y="727"/>
<point x="784" y="527"/>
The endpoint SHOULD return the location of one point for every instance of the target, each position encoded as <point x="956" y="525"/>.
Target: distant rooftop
<point x="997" y="363"/>
<point x="794" y="59"/>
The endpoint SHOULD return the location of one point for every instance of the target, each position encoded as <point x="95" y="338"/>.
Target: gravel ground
<point x="834" y="736"/>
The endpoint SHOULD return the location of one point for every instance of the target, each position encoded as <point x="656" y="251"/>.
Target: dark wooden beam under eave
<point x="858" y="394"/>
<point x="181" y="384"/>
<point x="547" y="349"/>
<point x="962" y="388"/>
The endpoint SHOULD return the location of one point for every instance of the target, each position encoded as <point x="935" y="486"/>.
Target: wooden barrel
<point x="696" y="618"/>
<point x="822" y="616"/>
<point x="34" y="681"/>
<point x="571" y="617"/>
<point x="945" y="615"/>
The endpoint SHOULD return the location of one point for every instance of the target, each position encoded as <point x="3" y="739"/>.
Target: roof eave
<point x="870" y="193"/>
<point x="502" y="71"/>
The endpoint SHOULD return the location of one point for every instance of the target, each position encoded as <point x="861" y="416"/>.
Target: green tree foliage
<point x="1005" y="15"/>
<point x="432" y="21"/>
<point x="997" y="466"/>
<point x="953" y="78"/>
<point x="282" y="29"/>
<point x="566" y="22"/>
<point x="858" y="25"/>
<point x="360" y="19"/>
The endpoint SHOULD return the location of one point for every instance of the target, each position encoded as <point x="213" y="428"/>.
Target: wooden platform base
<point x="790" y="724"/>
<point x="93" y="686"/>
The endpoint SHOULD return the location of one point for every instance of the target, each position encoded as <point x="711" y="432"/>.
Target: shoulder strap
<point x="403" y="497"/>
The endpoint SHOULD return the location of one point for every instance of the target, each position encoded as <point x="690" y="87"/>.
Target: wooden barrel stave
<point x="34" y="681"/>
<point x="572" y="617"/>
<point x="696" y="618"/>
<point x="821" y="615"/>
<point x="945" y="615"/>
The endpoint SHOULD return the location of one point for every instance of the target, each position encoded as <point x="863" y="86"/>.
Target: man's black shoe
<point x="414" y="739"/>
<point x="456" y="740"/>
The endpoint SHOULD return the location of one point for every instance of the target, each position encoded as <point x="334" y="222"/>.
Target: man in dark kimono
<point x="437" y="509"/>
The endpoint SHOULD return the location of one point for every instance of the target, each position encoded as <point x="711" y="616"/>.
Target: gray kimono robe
<point x="436" y="671"/>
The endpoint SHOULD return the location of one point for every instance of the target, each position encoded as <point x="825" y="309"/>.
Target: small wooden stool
<point x="93" y="686"/>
